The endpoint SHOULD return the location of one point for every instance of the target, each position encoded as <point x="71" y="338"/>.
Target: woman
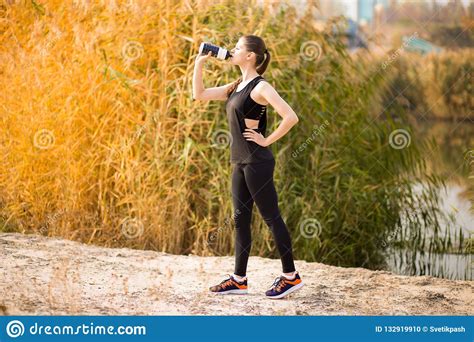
<point x="252" y="176"/>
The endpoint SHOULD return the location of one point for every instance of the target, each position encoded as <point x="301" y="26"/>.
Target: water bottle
<point x="216" y="51"/>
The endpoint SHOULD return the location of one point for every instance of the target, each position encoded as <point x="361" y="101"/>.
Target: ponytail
<point x="263" y="66"/>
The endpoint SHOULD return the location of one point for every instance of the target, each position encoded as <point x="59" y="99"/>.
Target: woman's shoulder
<point x="262" y="84"/>
<point x="259" y="89"/>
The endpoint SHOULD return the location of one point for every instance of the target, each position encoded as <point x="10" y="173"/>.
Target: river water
<point x="453" y="158"/>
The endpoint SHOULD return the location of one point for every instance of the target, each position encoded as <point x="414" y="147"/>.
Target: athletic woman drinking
<point x="253" y="163"/>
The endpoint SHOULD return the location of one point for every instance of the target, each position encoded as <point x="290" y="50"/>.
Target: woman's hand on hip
<point x="256" y="137"/>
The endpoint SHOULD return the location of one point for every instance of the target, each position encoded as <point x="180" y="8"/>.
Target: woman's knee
<point x="242" y="215"/>
<point x="272" y="219"/>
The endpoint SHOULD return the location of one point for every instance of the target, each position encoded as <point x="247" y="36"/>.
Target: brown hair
<point x="257" y="45"/>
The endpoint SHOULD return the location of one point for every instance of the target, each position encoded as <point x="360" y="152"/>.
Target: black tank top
<point x="240" y="105"/>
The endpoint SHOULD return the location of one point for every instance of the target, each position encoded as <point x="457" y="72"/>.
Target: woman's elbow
<point x="200" y="95"/>
<point x="197" y="97"/>
<point x="294" y="119"/>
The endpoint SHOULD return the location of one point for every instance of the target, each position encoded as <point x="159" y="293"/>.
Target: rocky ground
<point x="49" y="276"/>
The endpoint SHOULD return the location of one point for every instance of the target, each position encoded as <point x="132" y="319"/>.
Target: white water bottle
<point x="216" y="51"/>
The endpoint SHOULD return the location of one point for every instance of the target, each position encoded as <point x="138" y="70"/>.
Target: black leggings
<point x="254" y="183"/>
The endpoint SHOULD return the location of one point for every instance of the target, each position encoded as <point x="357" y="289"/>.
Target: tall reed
<point x="434" y="86"/>
<point x="102" y="142"/>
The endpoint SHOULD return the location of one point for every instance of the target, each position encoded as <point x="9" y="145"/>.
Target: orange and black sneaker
<point x="230" y="286"/>
<point x="282" y="286"/>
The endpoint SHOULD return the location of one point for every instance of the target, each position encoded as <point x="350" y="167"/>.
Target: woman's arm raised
<point x="201" y="93"/>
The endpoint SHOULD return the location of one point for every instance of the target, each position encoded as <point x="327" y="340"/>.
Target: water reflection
<point x="454" y="141"/>
<point x="450" y="266"/>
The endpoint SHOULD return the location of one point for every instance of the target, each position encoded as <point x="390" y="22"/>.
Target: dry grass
<point x="102" y="143"/>
<point x="436" y="85"/>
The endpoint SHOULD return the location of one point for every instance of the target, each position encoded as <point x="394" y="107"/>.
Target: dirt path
<point x="41" y="275"/>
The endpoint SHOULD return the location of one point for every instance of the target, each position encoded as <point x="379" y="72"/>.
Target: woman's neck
<point x="248" y="74"/>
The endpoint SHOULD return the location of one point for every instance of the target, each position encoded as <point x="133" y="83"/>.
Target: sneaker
<point x="230" y="286"/>
<point x="282" y="286"/>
